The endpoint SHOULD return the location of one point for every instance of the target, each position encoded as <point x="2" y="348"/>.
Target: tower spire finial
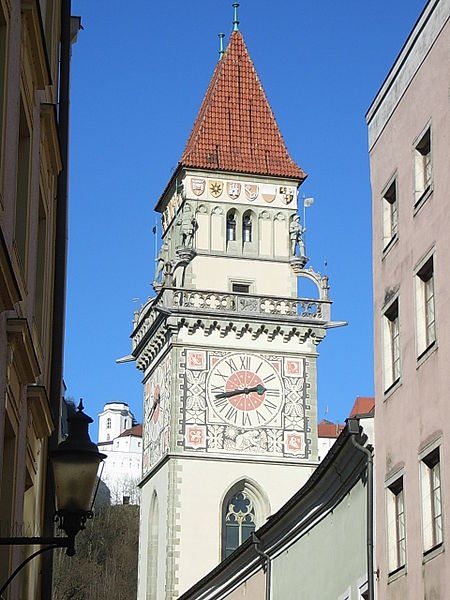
<point x="235" y="21"/>
<point x="220" y="36"/>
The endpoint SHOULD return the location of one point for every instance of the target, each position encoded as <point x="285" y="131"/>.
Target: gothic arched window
<point x="247" y="228"/>
<point x="231" y="227"/>
<point x="245" y="507"/>
<point x="152" y="548"/>
<point x="239" y="521"/>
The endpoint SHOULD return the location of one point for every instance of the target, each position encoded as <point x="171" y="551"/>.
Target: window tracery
<point x="239" y="521"/>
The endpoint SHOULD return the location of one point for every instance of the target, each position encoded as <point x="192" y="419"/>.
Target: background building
<point x="227" y="349"/>
<point x="327" y="434"/>
<point x="409" y="143"/>
<point x="121" y="440"/>
<point x="35" y="41"/>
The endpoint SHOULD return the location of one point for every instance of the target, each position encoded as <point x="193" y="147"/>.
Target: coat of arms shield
<point x="251" y="191"/>
<point x="198" y="186"/>
<point x="215" y="187"/>
<point x="287" y="194"/>
<point x="233" y="189"/>
<point x="268" y="192"/>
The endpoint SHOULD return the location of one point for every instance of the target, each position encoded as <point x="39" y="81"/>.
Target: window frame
<point x="258" y="498"/>
<point x="429" y="458"/>
<point x="391" y="339"/>
<point x="425" y="329"/>
<point x="394" y="493"/>
<point x="233" y="493"/>
<point x="387" y="219"/>
<point x="424" y="189"/>
<point x="250" y="283"/>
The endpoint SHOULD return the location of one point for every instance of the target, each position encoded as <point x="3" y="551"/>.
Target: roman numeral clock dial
<point x="244" y="390"/>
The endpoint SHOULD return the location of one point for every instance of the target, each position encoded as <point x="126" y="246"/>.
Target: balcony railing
<point x="304" y="308"/>
<point x="230" y="302"/>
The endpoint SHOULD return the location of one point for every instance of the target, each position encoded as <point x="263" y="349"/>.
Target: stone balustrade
<point x="303" y="308"/>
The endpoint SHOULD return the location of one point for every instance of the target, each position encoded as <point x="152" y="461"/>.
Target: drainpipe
<point x="59" y="290"/>
<point x="353" y="425"/>
<point x="267" y="564"/>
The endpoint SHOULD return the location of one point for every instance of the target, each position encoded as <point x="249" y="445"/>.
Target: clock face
<point x="156" y="414"/>
<point x="155" y="401"/>
<point x="244" y="390"/>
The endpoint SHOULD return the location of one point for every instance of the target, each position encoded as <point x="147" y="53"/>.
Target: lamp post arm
<point x="54" y="543"/>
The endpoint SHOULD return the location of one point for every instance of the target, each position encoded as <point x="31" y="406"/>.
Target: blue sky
<point x="138" y="78"/>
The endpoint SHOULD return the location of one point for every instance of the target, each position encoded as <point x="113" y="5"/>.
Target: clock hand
<point x="156" y="401"/>
<point x="259" y="389"/>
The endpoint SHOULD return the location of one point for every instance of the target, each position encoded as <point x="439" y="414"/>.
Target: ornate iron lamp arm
<point x="53" y="543"/>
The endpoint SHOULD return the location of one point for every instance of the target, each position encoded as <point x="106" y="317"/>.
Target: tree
<point x="106" y="559"/>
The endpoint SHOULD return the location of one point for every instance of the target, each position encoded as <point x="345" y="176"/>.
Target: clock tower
<point x="227" y="348"/>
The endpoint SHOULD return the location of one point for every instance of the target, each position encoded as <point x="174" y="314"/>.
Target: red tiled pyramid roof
<point x="235" y="129"/>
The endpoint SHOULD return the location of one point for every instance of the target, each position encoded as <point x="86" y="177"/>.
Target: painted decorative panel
<point x="157" y="403"/>
<point x="245" y="403"/>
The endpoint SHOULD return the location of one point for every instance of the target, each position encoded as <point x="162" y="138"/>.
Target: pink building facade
<point x="409" y="143"/>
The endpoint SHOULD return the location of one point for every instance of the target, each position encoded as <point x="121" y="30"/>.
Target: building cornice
<point x="415" y="50"/>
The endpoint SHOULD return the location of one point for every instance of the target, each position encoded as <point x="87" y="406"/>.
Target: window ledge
<point x="392" y="242"/>
<point x="432" y="552"/>
<point x="422" y="199"/>
<point x="392" y="388"/>
<point x="426" y="353"/>
<point x="394" y="575"/>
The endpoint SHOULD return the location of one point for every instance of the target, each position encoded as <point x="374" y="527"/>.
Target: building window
<point x="41" y="270"/>
<point x="390" y="214"/>
<point x="231" y="227"/>
<point x="22" y="192"/>
<point x="125" y="423"/>
<point x="425" y="316"/>
<point x="125" y="499"/>
<point x="240" y="288"/>
<point x="396" y="529"/>
<point x="430" y="472"/>
<point x="108" y="423"/>
<point x="423" y="175"/>
<point x="391" y="345"/>
<point x="247" y="228"/>
<point x="107" y="437"/>
<point x="239" y="521"/>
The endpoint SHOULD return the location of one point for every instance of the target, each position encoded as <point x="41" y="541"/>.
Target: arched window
<point x="239" y="521"/>
<point x="152" y="548"/>
<point x="244" y="509"/>
<point x="231" y="226"/>
<point x="247" y="228"/>
<point x="108" y="423"/>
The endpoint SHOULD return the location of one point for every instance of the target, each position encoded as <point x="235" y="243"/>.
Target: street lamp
<point x="75" y="466"/>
